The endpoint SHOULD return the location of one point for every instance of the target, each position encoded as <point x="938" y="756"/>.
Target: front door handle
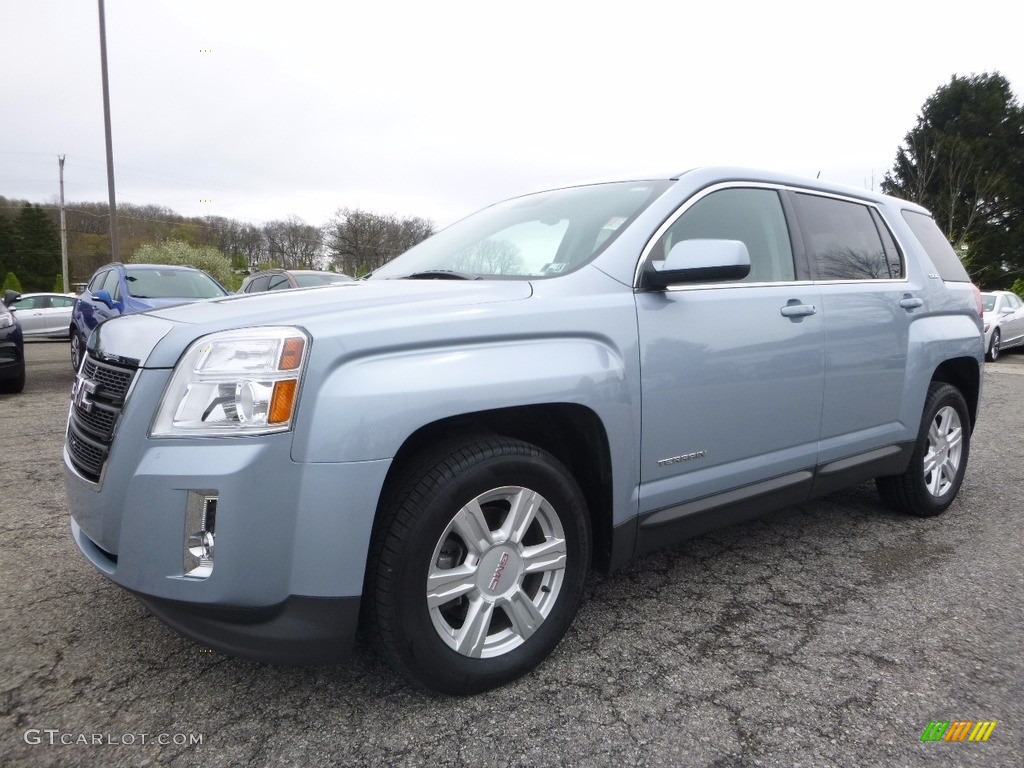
<point x="795" y="309"/>
<point x="911" y="302"/>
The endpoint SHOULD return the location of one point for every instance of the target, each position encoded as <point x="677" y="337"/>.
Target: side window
<point x="753" y="216"/>
<point x="110" y="284"/>
<point x="258" y="284"/>
<point x="97" y="282"/>
<point x="1014" y="301"/>
<point x="892" y="251"/>
<point x="937" y="247"/>
<point x="31" y="302"/>
<point x="278" y="283"/>
<point x="62" y="301"/>
<point x="841" y="238"/>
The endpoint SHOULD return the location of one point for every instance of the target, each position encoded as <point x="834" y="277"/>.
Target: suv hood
<point x="135" y="337"/>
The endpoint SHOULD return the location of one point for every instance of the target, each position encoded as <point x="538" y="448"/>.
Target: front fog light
<point x="200" y="524"/>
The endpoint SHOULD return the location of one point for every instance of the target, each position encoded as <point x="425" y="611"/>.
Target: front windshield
<point x="170" y="283"/>
<point x="989" y="301"/>
<point x="542" y="235"/>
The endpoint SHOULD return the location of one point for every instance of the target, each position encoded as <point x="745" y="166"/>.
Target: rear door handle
<point x="795" y="309"/>
<point x="911" y="302"/>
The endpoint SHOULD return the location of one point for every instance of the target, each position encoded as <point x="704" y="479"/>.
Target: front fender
<point x="363" y="409"/>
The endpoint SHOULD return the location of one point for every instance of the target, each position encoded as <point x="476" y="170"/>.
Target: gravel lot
<point x="828" y="634"/>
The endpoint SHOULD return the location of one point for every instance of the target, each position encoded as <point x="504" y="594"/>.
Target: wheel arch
<point x="964" y="373"/>
<point x="572" y="433"/>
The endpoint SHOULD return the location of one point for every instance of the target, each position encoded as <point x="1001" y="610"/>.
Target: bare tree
<point x="293" y="244"/>
<point x="489" y="257"/>
<point x="359" y="241"/>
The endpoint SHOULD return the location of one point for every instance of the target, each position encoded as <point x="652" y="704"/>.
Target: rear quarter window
<point x="937" y="247"/>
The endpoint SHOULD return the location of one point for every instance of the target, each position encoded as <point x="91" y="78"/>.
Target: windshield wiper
<point x="440" y="274"/>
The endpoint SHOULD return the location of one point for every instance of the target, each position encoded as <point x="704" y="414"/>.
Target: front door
<point x="732" y="373"/>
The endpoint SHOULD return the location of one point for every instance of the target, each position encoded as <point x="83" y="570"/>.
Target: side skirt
<point x="665" y="527"/>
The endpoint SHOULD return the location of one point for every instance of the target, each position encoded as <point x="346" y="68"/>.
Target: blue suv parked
<point x="123" y="289"/>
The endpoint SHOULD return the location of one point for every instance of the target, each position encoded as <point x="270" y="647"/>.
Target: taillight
<point x="977" y="300"/>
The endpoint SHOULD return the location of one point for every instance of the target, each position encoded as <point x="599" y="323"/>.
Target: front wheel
<point x="77" y="350"/>
<point x="478" y="567"/>
<point x="993" y="347"/>
<point x="939" y="461"/>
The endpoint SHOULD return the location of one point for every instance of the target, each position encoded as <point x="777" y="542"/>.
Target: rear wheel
<point x="479" y="564"/>
<point x="939" y="461"/>
<point x="993" y="347"/>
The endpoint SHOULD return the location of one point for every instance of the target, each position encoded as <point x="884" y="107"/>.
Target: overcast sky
<point x="438" y="108"/>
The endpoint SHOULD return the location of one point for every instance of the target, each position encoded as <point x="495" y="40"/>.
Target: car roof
<point x="160" y="266"/>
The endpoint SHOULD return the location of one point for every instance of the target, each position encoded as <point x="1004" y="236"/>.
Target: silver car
<point x="44" y="315"/>
<point x="560" y="382"/>
<point x="1004" y="322"/>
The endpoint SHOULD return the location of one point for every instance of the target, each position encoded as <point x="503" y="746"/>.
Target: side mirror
<point x="699" y="261"/>
<point x="10" y="296"/>
<point x="104" y="296"/>
<point x="1006" y="311"/>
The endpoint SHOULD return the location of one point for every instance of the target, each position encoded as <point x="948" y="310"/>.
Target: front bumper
<point x="300" y="631"/>
<point x="291" y="538"/>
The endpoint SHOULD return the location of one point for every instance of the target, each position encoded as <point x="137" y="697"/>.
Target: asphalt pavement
<point x="827" y="634"/>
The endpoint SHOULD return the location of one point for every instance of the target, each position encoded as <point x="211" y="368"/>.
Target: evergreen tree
<point x="11" y="283"/>
<point x="6" y="244"/>
<point x="964" y="161"/>
<point x="36" y="248"/>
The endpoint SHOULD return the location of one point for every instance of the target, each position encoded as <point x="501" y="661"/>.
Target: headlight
<point x="6" y="319"/>
<point x="243" y="382"/>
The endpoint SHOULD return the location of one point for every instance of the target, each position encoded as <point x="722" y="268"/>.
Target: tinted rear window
<point x="937" y="247"/>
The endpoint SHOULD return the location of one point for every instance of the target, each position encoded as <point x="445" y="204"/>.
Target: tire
<point x="77" y="350"/>
<point x="450" y="603"/>
<point x="993" y="347"/>
<point x="939" y="461"/>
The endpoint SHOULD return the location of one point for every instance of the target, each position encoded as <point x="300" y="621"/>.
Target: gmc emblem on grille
<point x="80" y="392"/>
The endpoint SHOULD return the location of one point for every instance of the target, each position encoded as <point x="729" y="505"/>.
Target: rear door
<point x="869" y="303"/>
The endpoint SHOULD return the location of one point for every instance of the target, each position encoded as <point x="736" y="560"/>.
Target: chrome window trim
<point x="701" y="194"/>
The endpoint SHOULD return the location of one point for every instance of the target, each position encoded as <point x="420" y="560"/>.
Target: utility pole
<point x="63" y="232"/>
<point x="106" y="125"/>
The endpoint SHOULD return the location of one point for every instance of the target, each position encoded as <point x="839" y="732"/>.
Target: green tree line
<point x="352" y="241"/>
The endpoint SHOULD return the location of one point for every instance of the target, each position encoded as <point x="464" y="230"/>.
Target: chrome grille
<point x="98" y="398"/>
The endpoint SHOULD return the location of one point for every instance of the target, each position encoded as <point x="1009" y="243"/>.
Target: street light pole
<point x="66" y="287"/>
<point x="106" y="125"/>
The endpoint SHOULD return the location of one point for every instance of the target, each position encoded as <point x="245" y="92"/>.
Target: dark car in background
<point x="12" y="353"/>
<point x="283" y="279"/>
<point x="122" y="289"/>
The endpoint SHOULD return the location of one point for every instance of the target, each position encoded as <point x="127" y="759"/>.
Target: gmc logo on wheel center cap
<point x="496" y="578"/>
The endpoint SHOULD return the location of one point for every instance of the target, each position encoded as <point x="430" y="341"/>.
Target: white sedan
<point x="44" y="315"/>
<point x="1004" y="322"/>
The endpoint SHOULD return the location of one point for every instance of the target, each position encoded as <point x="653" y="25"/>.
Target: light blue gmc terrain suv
<point x="557" y="383"/>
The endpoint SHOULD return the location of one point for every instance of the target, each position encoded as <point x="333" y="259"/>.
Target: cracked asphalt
<point x="828" y="634"/>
